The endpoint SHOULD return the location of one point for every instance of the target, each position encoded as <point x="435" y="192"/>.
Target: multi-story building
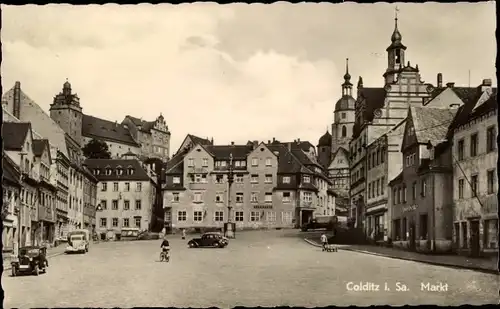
<point x="90" y="183"/>
<point x="11" y="186"/>
<point x="274" y="185"/>
<point x="475" y="183"/>
<point x="421" y="195"/>
<point x="377" y="111"/>
<point x="153" y="136"/>
<point x="125" y="193"/>
<point x="18" y="146"/>
<point x="47" y="192"/>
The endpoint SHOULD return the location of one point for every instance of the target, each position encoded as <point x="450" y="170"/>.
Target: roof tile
<point x="140" y="173"/>
<point x="94" y="127"/>
<point x="14" y="134"/>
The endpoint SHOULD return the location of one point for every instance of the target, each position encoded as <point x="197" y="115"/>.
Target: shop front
<point x="376" y="222"/>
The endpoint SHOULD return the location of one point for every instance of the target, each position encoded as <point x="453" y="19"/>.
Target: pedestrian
<point x="324" y="241"/>
<point x="183" y="233"/>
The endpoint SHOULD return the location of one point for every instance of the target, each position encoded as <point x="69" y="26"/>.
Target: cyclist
<point x="165" y="246"/>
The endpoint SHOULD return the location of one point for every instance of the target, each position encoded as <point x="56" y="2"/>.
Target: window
<point x="460" y="149"/>
<point x="461" y="184"/>
<point x="115" y="186"/>
<point x="219" y="216"/>
<point x="238" y="216"/>
<point x="378" y="157"/>
<point x="286" y="217"/>
<point x="104" y="186"/>
<point x="198" y="216"/>
<point x="254" y="197"/>
<point x="271" y="216"/>
<point x="239" y="197"/>
<point x="190" y="162"/>
<point x="127" y="186"/>
<point x="176" y="180"/>
<point x="104" y="222"/>
<point x="423" y="189"/>
<point x="243" y="163"/>
<point x="382" y="155"/>
<point x="196" y="178"/>
<point x="104" y="204"/>
<point x="269" y="178"/>
<point x="255" y="162"/>
<point x="205" y="162"/>
<point x="254" y="216"/>
<point x="138" y="187"/>
<point x="414" y="191"/>
<point x="491" y="181"/>
<point x="220" y="163"/>
<point x="268" y="197"/>
<point x="175" y="197"/>
<point x="219" y="178"/>
<point x="378" y="187"/>
<point x="395" y="196"/>
<point x="404" y="194"/>
<point x="268" y="162"/>
<point x="130" y="171"/>
<point x="307" y="179"/>
<point x="114" y="222"/>
<point x="490" y="139"/>
<point x="239" y="178"/>
<point x="219" y="197"/>
<point x="343" y="115"/>
<point x="474" y="185"/>
<point x="286" y="197"/>
<point x="109" y="171"/>
<point x="370" y="190"/>
<point x="137" y="222"/>
<point x="286" y="179"/>
<point x="125" y="222"/>
<point x="114" y="205"/>
<point x="197" y="197"/>
<point x="397" y="229"/>
<point x="473" y="145"/>
<point x="382" y="185"/>
<point x="344" y="131"/>
<point x="181" y="215"/>
<point x="254" y="179"/>
<point x="307" y="197"/>
<point x="126" y="205"/>
<point x="138" y="204"/>
<point x="237" y="163"/>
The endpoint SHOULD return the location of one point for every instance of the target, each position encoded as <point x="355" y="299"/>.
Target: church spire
<point x="347" y="86"/>
<point x="396" y="35"/>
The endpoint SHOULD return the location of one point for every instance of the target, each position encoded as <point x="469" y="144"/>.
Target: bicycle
<point x="164" y="256"/>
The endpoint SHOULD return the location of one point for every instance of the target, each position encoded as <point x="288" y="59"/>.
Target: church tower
<point x="343" y="115"/>
<point x="325" y="149"/>
<point x="395" y="54"/>
<point x="67" y="112"/>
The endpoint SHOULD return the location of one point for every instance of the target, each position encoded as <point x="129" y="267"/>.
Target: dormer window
<point x="119" y="171"/>
<point x="307" y="179"/>
<point x="130" y="171"/>
<point x="109" y="171"/>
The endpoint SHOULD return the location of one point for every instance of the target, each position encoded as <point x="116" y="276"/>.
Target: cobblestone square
<point x="256" y="269"/>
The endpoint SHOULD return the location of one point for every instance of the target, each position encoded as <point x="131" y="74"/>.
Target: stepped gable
<point x="94" y="127"/>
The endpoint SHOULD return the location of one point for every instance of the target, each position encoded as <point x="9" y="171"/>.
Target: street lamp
<point x="230" y="178"/>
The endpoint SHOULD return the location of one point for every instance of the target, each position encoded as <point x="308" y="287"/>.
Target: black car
<point x="210" y="240"/>
<point x="31" y="260"/>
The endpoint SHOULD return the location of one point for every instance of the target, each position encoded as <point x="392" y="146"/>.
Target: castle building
<point x="144" y="139"/>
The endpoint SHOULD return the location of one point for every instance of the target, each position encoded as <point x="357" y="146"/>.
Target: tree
<point x="96" y="149"/>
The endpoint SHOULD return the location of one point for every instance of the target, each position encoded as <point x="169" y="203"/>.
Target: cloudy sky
<point x="234" y="72"/>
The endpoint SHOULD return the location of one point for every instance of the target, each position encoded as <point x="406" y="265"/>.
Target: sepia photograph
<point x="220" y="155"/>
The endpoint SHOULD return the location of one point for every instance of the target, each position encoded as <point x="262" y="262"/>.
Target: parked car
<point x="145" y="235"/>
<point x="211" y="240"/>
<point x="31" y="260"/>
<point x="78" y="241"/>
<point x="321" y="222"/>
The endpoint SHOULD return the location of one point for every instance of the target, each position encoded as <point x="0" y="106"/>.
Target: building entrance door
<point x="474" y="238"/>
<point x="412" y="235"/>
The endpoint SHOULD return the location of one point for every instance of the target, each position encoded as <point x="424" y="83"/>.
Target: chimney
<point x="486" y="84"/>
<point x="274" y="139"/>
<point x="255" y="144"/>
<point x="269" y="141"/>
<point x="289" y="146"/>
<point x="450" y="85"/>
<point x="232" y="143"/>
<point x="298" y="140"/>
<point x="17" y="100"/>
<point x="440" y="80"/>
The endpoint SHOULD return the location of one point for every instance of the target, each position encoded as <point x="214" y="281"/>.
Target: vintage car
<point x="211" y="240"/>
<point x="31" y="260"/>
<point x="320" y="222"/>
<point x="78" y="241"/>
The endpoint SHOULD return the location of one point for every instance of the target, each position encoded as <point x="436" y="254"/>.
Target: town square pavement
<point x="257" y="269"/>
